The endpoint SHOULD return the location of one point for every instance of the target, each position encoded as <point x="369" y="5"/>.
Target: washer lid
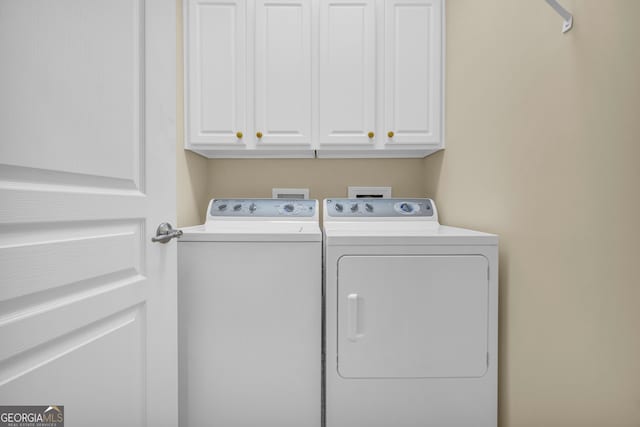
<point x="257" y="220"/>
<point x="253" y="231"/>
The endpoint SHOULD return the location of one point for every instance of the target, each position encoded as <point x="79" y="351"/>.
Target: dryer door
<point x="412" y="316"/>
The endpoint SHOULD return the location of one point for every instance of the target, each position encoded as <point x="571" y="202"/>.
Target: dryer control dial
<point x="407" y="208"/>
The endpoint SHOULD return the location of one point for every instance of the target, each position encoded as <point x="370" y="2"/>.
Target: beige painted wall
<point x="535" y="119"/>
<point x="191" y="170"/>
<point x="323" y="177"/>
<point x="543" y="148"/>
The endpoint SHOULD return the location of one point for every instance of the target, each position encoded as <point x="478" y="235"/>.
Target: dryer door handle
<point x="352" y="317"/>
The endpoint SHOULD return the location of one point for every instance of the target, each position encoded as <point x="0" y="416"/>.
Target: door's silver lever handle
<point x="165" y="233"/>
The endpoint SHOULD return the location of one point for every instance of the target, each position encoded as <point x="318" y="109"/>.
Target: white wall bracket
<point x="566" y="16"/>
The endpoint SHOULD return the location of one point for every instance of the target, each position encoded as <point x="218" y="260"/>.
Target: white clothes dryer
<point x="411" y="317"/>
<point x="250" y="301"/>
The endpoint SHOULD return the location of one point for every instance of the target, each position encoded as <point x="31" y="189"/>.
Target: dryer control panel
<point x="379" y="208"/>
<point x="262" y="208"/>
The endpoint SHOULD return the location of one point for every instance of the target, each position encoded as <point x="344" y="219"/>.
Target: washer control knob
<point x="339" y="207"/>
<point x="368" y="207"/>
<point x="406" y="207"/>
<point x="354" y="207"/>
<point x="237" y="207"/>
<point x="252" y="207"/>
<point x="288" y="207"/>
<point x="222" y="207"/>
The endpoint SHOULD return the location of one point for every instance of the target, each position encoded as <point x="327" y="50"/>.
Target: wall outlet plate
<point x="361" y="192"/>
<point x="290" y="193"/>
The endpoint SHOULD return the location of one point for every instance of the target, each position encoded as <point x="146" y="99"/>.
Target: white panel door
<point x="216" y="72"/>
<point x="282" y="74"/>
<point x="347" y="72"/>
<point x="413" y="68"/>
<point x="87" y="171"/>
<point x="414" y="316"/>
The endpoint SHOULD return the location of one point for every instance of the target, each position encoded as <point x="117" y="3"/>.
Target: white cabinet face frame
<point x="347" y="73"/>
<point x="282" y="79"/>
<point x="413" y="72"/>
<point x="215" y="72"/>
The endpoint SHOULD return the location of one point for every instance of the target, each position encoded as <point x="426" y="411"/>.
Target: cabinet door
<point x="413" y="68"/>
<point x="283" y="72"/>
<point x="216" y="71"/>
<point x="347" y="72"/>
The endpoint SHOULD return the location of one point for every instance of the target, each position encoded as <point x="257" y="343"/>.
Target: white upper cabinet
<point x="215" y="100"/>
<point x="304" y="78"/>
<point x="413" y="72"/>
<point x="347" y="74"/>
<point x="282" y="78"/>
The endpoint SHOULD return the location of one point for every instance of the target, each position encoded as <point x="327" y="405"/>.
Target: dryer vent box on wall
<point x="365" y="192"/>
<point x="290" y="193"/>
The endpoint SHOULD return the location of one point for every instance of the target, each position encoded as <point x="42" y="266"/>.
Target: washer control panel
<point x="382" y="208"/>
<point x="263" y="208"/>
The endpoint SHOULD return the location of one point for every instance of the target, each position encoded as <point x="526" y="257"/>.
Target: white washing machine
<point x="250" y="301"/>
<point x="411" y="317"/>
